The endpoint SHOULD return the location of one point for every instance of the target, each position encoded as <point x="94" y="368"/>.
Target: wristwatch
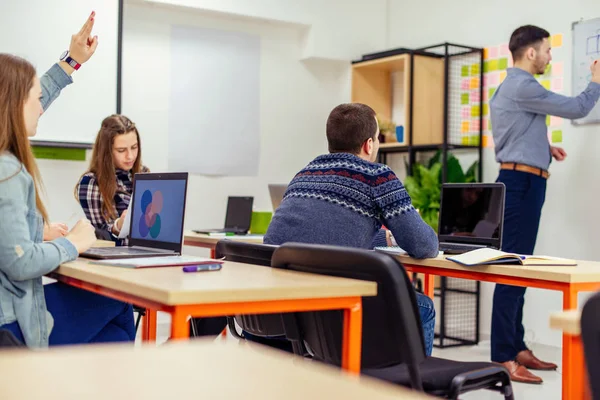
<point x="67" y="58"/>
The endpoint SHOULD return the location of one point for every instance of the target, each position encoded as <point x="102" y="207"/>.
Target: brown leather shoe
<point x="519" y="373"/>
<point x="527" y="359"/>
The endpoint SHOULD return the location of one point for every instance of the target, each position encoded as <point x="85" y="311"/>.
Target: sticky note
<point x="487" y="141"/>
<point x="465" y="127"/>
<point x="486" y="109"/>
<point x="475" y="111"/>
<point x="555" y="121"/>
<point x="486" y="95"/>
<point x="556" y="40"/>
<point x="491" y="92"/>
<point x="547" y="120"/>
<point x="475" y="69"/>
<point x="465" y="112"/>
<point x="556" y="136"/>
<point x="492" y="52"/>
<point x="475" y="96"/>
<point x="485" y="124"/>
<point x="493" y="79"/>
<point x="558" y="69"/>
<point x="502" y="64"/>
<point x="475" y="125"/>
<point x="465" y="140"/>
<point x="502" y="76"/>
<point x="490" y="125"/>
<point x="486" y="53"/>
<point x="464" y="71"/>
<point x="545" y="83"/>
<point x="503" y="50"/>
<point x="474" y="83"/>
<point x="492" y="65"/>
<point x="557" y="84"/>
<point x="474" y="140"/>
<point x="465" y="84"/>
<point x="485" y="67"/>
<point x="464" y="98"/>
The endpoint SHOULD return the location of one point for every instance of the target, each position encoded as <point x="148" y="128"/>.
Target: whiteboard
<point x="586" y="49"/>
<point x="214" y="106"/>
<point x="39" y="31"/>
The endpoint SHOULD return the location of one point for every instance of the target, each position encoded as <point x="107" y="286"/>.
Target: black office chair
<point x="260" y="326"/>
<point x="392" y="335"/>
<point x="8" y="339"/>
<point x="590" y="335"/>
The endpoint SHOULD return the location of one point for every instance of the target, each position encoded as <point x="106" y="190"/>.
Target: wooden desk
<point x="236" y="289"/>
<point x="585" y="277"/>
<point x="210" y="242"/>
<point x="569" y="322"/>
<point x="196" y="369"/>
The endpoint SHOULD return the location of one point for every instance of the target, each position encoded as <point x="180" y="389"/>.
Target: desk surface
<point x="584" y="272"/>
<point x="192" y="238"/>
<point x="235" y="282"/>
<point x="181" y="370"/>
<point x="567" y="321"/>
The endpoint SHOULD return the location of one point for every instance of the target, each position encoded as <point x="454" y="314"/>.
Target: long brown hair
<point x="16" y="80"/>
<point x="102" y="164"/>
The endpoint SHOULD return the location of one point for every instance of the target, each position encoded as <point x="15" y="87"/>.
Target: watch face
<point x="64" y="55"/>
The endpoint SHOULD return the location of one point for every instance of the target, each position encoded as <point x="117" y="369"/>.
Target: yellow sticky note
<point x="556" y="40"/>
<point x="557" y="136"/>
<point x="474" y="83"/>
<point x="475" y="111"/>
<point x="486" y="53"/>
<point x="502" y="76"/>
<point x="545" y="84"/>
<point x="486" y="109"/>
<point x="475" y="69"/>
<point x="465" y="140"/>
<point x="487" y="141"/>
<point x="465" y="127"/>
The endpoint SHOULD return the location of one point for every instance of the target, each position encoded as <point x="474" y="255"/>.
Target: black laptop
<point x="157" y="216"/>
<point x="237" y="218"/>
<point x="471" y="217"/>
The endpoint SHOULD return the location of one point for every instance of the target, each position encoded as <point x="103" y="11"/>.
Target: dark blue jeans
<point x="84" y="317"/>
<point x="525" y="195"/>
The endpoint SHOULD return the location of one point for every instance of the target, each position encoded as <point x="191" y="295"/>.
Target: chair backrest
<point x="391" y="333"/>
<point x="258" y="254"/>
<point x="590" y="335"/>
<point x="7" y="339"/>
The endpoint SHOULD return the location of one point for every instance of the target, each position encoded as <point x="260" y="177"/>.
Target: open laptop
<point x="237" y="218"/>
<point x="157" y="217"/>
<point x="277" y="191"/>
<point x="471" y="216"/>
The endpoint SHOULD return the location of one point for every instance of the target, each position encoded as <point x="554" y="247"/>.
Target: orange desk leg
<point x="428" y="285"/>
<point x="572" y="356"/>
<point x="149" y="326"/>
<point x="352" y="338"/>
<point x="179" y="324"/>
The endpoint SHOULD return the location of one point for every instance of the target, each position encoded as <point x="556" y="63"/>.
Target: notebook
<point x="491" y="256"/>
<point x="149" y="262"/>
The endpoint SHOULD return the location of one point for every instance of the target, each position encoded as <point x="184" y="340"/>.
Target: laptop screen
<point x="472" y="213"/>
<point x="158" y="210"/>
<point x="239" y="213"/>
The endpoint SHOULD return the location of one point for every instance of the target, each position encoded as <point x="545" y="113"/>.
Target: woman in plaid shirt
<point x="104" y="191"/>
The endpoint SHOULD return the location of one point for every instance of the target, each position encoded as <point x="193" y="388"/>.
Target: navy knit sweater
<point x="341" y="199"/>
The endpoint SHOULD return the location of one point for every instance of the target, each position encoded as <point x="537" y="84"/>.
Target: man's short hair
<point x="524" y="37"/>
<point x="349" y="126"/>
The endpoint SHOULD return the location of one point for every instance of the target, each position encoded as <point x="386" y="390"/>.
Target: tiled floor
<point x="549" y="390"/>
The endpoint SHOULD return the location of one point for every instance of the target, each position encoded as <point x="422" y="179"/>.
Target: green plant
<point x="424" y="185"/>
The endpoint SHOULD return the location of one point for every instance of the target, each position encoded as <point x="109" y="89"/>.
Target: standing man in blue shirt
<point x="518" y="113"/>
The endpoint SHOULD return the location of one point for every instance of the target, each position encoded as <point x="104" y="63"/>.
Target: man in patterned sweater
<point x="343" y="198"/>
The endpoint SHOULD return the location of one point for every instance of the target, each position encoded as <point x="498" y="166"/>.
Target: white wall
<point x="570" y="216"/>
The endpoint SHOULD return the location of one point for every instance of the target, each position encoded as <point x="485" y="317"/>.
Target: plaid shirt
<point x="91" y="200"/>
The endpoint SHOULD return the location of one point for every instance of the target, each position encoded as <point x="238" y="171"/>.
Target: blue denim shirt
<point x="518" y="111"/>
<point x="24" y="257"/>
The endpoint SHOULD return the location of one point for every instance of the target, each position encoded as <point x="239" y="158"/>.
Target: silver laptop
<point x="471" y="216"/>
<point x="277" y="191"/>
<point x="157" y="217"/>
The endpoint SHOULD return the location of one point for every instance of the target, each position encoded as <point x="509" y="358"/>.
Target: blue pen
<point x="203" y="267"/>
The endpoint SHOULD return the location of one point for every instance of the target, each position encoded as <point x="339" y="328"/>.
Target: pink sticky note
<point x="486" y="95"/>
<point x="555" y="121"/>
<point x="475" y="96"/>
<point x="492" y="52"/>
<point x="466" y="112"/>
<point x="557" y="84"/>
<point x="558" y="69"/>
<point x="493" y="79"/>
<point x="485" y="124"/>
<point x="465" y="84"/>
<point x="503" y="50"/>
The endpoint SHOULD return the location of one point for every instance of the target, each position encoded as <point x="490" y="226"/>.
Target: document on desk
<point x="126" y="223"/>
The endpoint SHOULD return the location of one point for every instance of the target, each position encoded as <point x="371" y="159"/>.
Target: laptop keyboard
<point x="122" y="250"/>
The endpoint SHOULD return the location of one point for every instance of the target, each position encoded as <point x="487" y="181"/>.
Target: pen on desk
<point x="203" y="267"/>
